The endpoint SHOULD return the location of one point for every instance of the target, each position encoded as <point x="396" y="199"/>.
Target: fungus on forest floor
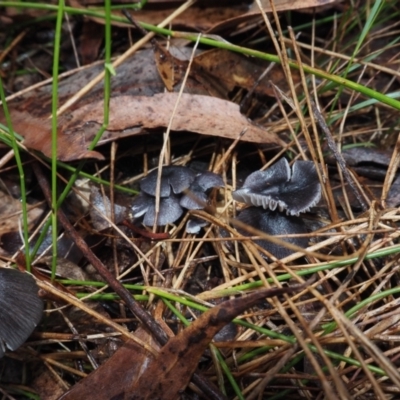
<point x="270" y="193"/>
<point x="278" y="188"/>
<point x="20" y="308"/>
<point x="180" y="188"/>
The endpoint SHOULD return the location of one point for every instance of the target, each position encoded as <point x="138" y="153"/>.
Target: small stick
<point x="145" y="233"/>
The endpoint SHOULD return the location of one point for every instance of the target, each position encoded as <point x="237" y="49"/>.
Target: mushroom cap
<point x="207" y="180"/>
<point x="194" y="225"/>
<point x="144" y="205"/>
<point x="277" y="188"/>
<point x="102" y="207"/>
<point x="195" y="197"/>
<point x="176" y="177"/>
<point x="20" y="308"/>
<point x="274" y="223"/>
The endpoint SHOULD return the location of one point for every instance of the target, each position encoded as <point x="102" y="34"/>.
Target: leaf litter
<point x="302" y="342"/>
<point x="137" y="106"/>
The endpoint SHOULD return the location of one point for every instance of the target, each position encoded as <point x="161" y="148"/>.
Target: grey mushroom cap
<point x="172" y="177"/>
<point x="277" y="188"/>
<point x="194" y="225"/>
<point x="20" y="308"/>
<point x="102" y="207"/>
<point x="144" y="205"/>
<point x="196" y="197"/>
<point x="207" y="180"/>
<point x="274" y="223"/>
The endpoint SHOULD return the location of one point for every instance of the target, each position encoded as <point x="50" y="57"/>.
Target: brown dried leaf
<point x="11" y="214"/>
<point x="195" y="113"/>
<point x="118" y="372"/>
<point x="197" y="17"/>
<point x="253" y="12"/>
<point x="170" y="68"/>
<point x="90" y="42"/>
<point x="170" y="372"/>
<point x="232" y="69"/>
<point x="285" y="5"/>
<point x="129" y="115"/>
<point x="131" y="112"/>
<point x="210" y="15"/>
<point x="136" y="76"/>
<point x="47" y="386"/>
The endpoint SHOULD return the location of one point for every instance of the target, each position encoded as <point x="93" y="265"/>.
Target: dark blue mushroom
<point x="180" y="188"/>
<point x="20" y="308"/>
<point x="196" y="198"/>
<point x="278" y="188"/>
<point x="145" y="205"/>
<point x="172" y="177"/>
<point x="273" y="223"/>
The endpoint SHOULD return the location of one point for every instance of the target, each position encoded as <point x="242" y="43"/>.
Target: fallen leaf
<point x="253" y="12"/>
<point x="170" y="68"/>
<point x="169" y="373"/>
<point x="120" y="371"/>
<point x="137" y="76"/>
<point x="235" y="70"/>
<point x="138" y="103"/>
<point x="195" y="113"/>
<point x="11" y="214"/>
<point x="285" y="5"/>
<point x="198" y="17"/>
<point x="90" y="42"/>
<point x="47" y="386"/>
<point x="129" y="115"/>
<point x="207" y="15"/>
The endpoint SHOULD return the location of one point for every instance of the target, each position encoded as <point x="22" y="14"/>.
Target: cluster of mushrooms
<point x="276" y="197"/>
<point x="180" y="188"/>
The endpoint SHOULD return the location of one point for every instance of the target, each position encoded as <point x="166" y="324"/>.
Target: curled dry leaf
<point x="195" y="113"/>
<point x="165" y="376"/>
<point x="120" y="371"/>
<point x="130" y="115"/>
<point x="138" y="103"/>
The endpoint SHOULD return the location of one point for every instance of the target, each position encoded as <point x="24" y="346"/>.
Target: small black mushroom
<point x="194" y="225"/>
<point x="274" y="223"/>
<point x="278" y="188"/>
<point x="20" y="308"/>
<point x="175" y="177"/>
<point x="180" y="188"/>
<point x="102" y="206"/>
<point x="145" y="205"/>
<point x="196" y="197"/>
